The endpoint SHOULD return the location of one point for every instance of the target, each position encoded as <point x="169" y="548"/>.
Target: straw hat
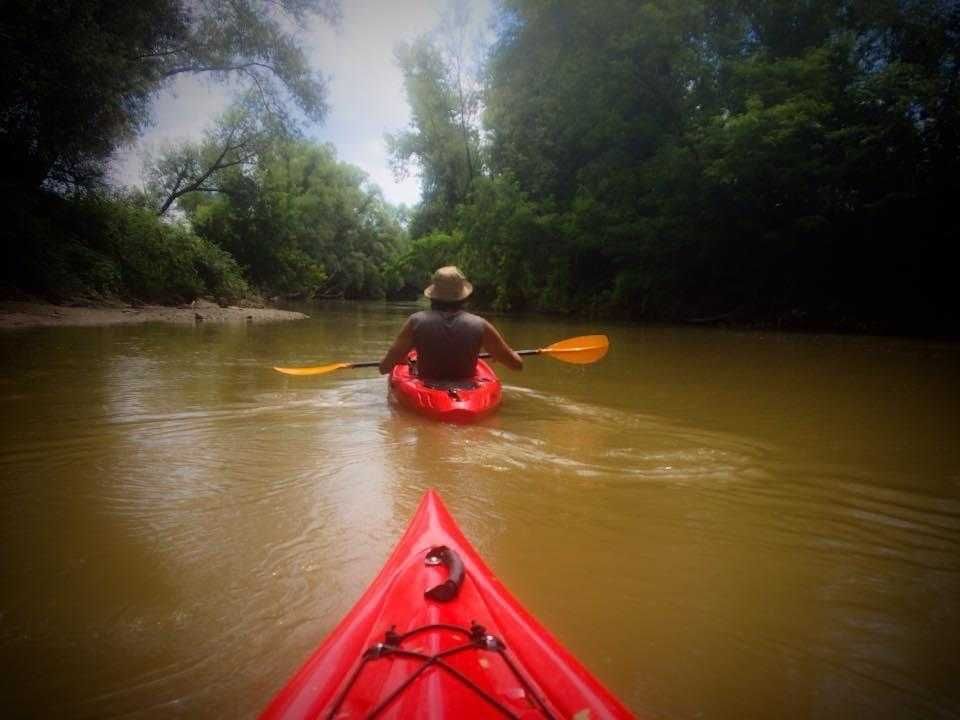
<point x="449" y="285"/>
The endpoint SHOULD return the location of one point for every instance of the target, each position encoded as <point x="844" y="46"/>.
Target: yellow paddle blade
<point x="581" y="350"/>
<point x="318" y="370"/>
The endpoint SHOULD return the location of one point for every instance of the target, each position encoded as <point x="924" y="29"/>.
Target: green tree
<point x="237" y="140"/>
<point x="443" y="140"/>
<point x="301" y="222"/>
<point x="81" y="73"/>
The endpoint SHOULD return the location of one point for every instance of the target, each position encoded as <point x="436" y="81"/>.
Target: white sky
<point x="366" y="96"/>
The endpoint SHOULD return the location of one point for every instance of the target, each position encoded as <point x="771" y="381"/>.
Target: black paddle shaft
<point x="519" y="352"/>
<point x="376" y="363"/>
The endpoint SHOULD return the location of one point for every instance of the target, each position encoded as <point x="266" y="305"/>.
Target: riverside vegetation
<point x="786" y="162"/>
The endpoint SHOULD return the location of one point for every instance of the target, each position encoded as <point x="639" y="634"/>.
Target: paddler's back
<point x="447" y="343"/>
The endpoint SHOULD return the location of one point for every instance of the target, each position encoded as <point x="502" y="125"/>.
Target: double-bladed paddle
<point x="581" y="350"/>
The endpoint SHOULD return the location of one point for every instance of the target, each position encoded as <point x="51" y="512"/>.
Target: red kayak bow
<point x="436" y="635"/>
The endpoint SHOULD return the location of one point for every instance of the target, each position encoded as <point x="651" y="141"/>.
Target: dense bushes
<point x="95" y="247"/>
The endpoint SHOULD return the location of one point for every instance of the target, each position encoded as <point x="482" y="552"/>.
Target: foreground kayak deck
<point x="453" y="404"/>
<point x="466" y="653"/>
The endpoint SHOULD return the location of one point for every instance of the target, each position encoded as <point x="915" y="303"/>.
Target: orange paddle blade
<point x="318" y="370"/>
<point x="581" y="350"/>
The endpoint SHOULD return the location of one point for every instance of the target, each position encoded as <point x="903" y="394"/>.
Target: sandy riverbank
<point x="18" y="314"/>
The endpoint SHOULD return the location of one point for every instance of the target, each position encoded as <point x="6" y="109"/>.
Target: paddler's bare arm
<point x="398" y="351"/>
<point x="494" y="344"/>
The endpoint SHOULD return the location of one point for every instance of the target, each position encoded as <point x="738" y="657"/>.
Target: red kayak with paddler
<point x="461" y="401"/>
<point x="435" y="363"/>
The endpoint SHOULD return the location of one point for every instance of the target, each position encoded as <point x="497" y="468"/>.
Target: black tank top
<point x="447" y="343"/>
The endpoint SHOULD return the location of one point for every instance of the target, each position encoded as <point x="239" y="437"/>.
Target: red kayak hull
<point x="509" y="667"/>
<point x="457" y="405"/>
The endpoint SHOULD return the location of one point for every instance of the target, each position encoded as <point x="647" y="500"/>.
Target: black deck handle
<point x="448" y="589"/>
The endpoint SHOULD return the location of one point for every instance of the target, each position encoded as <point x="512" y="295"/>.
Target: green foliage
<point x="443" y="140"/>
<point x="302" y="223"/>
<point x="413" y="265"/>
<point x="688" y="159"/>
<point x="508" y="244"/>
<point x="95" y="247"/>
<point x="237" y="140"/>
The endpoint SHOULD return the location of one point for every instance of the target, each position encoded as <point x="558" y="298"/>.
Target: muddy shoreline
<point x="23" y="314"/>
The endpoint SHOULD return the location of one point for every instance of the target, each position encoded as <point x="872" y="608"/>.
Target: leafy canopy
<point x="86" y="70"/>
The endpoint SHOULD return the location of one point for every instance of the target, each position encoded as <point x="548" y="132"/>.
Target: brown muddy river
<point x="719" y="524"/>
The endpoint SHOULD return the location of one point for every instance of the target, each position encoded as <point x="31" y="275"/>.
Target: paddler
<point x="447" y="338"/>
